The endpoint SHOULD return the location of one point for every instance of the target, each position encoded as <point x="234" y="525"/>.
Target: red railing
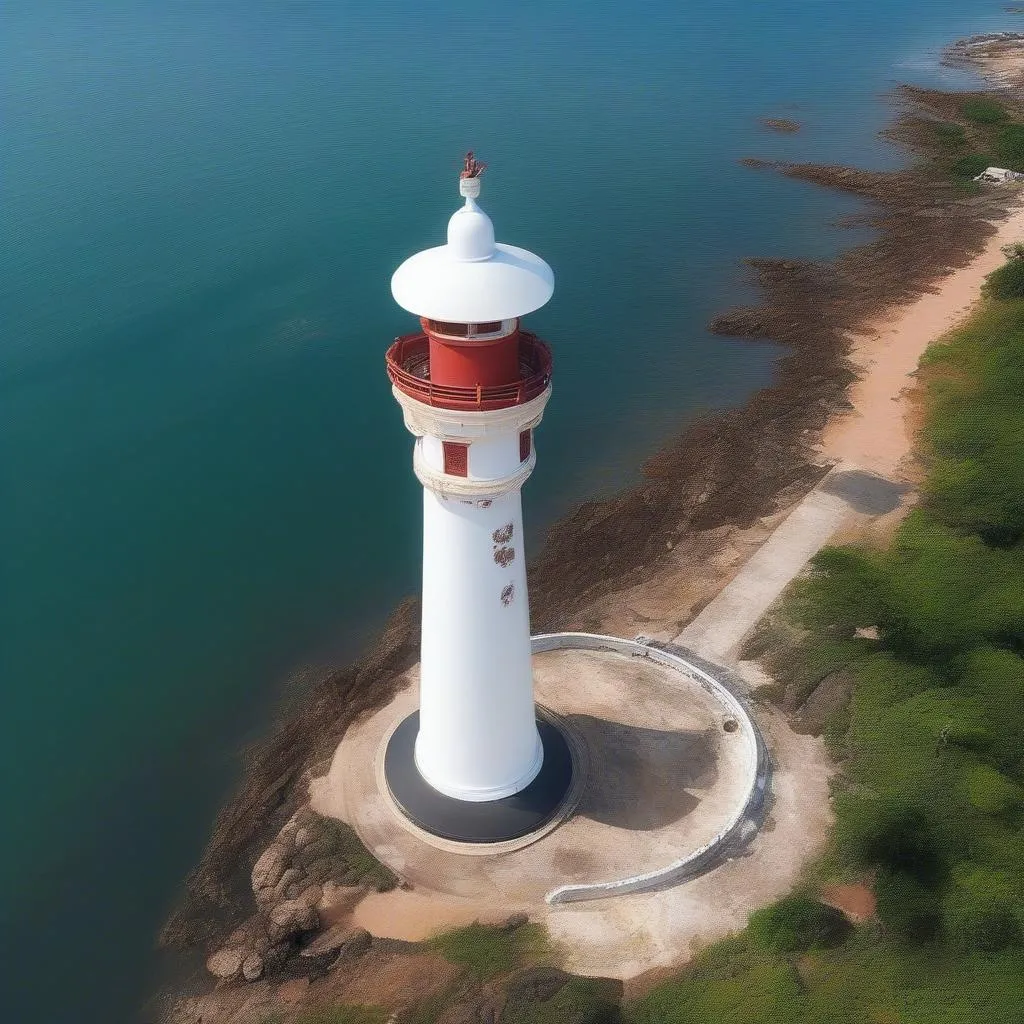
<point x="408" y="361"/>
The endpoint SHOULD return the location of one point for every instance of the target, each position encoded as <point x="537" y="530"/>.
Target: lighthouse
<point x="477" y="762"/>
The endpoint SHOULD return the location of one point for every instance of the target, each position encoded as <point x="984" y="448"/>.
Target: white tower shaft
<point x="478" y="736"/>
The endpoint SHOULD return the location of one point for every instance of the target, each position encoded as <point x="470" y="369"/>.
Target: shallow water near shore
<point x="207" y="481"/>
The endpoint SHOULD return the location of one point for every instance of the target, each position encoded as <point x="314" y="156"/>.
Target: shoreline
<point x="709" y="496"/>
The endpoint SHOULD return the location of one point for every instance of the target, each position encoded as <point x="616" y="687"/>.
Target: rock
<point x="510" y="924"/>
<point x="270" y="867"/>
<point x="536" y="985"/>
<point x="275" y="957"/>
<point x="303" y="837"/>
<point x="305" y="816"/>
<point x="330" y="941"/>
<point x="293" y="916"/>
<point x="252" y="967"/>
<point x="311" y="895"/>
<point x="226" y="963"/>
<point x="356" y="945"/>
<point x="289" y="878"/>
<point x="320" y="870"/>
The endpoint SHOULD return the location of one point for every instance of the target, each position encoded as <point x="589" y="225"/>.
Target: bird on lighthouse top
<point x="472" y="279"/>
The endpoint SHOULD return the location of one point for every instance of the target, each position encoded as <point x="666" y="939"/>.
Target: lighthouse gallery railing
<point x="408" y="362"/>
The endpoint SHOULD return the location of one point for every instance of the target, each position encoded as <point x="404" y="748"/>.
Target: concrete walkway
<point x="847" y="493"/>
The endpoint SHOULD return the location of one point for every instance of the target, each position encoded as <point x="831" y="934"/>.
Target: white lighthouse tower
<point x="473" y="385"/>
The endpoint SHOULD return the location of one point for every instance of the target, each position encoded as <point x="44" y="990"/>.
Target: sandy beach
<point x="877" y="434"/>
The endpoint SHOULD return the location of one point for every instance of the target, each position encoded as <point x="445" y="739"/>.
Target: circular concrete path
<point x="663" y="778"/>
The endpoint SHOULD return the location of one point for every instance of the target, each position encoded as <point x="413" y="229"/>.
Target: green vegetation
<point x="1007" y="282"/>
<point x="336" y="1015"/>
<point x="488" y="952"/>
<point x="579" y="1001"/>
<point x="982" y="110"/>
<point x="930" y="806"/>
<point x="362" y="865"/>
<point x="986" y="136"/>
<point x="796" y="924"/>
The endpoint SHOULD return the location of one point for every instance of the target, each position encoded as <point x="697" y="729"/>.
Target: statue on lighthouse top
<point x="478" y="762"/>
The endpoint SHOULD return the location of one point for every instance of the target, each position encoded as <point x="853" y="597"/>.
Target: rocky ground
<point x="253" y="904"/>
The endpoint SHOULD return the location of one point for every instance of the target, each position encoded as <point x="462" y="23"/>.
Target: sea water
<point x="206" y="483"/>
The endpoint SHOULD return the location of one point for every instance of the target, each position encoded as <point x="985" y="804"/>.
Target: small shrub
<point x="1009" y="146"/>
<point x="905" y="906"/>
<point x="983" y="111"/>
<point x="797" y="923"/>
<point x="487" y="951"/>
<point x="970" y="166"/>
<point x="890" y="834"/>
<point x="1007" y="282"/>
<point x="979" y="911"/>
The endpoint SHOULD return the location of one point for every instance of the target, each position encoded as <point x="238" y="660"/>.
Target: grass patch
<point x="950" y="136"/>
<point x="969" y="167"/>
<point x="488" y="952"/>
<point x="931" y="802"/>
<point x="336" y="1015"/>
<point x="981" y="110"/>
<point x="345" y="844"/>
<point x="579" y="1001"/>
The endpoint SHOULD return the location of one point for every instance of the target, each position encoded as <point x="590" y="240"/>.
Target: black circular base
<point x="465" y="821"/>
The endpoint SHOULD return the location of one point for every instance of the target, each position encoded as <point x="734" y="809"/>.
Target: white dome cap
<point x="472" y="279"/>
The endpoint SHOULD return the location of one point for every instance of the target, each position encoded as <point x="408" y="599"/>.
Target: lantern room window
<point x="456" y="458"/>
<point x="525" y="444"/>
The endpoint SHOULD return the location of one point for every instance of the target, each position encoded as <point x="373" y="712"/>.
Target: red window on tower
<point x="524" y="445"/>
<point x="456" y="458"/>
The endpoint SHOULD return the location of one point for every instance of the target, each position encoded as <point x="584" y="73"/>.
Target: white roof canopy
<point x="472" y="279"/>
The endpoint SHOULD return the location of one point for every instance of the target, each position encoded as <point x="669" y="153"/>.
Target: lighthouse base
<point x="489" y="821"/>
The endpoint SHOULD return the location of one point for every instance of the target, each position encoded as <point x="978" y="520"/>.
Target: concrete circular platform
<point x="669" y="766"/>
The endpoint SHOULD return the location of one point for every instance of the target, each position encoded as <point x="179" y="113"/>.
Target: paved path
<point x="717" y="632"/>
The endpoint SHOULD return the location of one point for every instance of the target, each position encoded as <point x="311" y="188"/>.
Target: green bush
<point x="983" y="111"/>
<point x="488" y="952"/>
<point x="1009" y="146"/>
<point x="579" y="1001"/>
<point x="797" y="923"/>
<point x="1007" y="282"/>
<point x="910" y="909"/>
<point x="892" y="834"/>
<point x="970" y="166"/>
<point x="981" y="910"/>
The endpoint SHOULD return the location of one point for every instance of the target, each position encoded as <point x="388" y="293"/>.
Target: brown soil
<point x="727" y="471"/>
<point x="857" y="902"/>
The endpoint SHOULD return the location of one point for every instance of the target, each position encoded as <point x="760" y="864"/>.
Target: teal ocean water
<point x="206" y="482"/>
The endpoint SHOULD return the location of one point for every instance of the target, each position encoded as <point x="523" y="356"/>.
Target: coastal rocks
<point x="225" y="964"/>
<point x="781" y="124"/>
<point x="293" y="917"/>
<point x="252" y="967"/>
<point x="270" y="867"/>
<point x="312" y="863"/>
